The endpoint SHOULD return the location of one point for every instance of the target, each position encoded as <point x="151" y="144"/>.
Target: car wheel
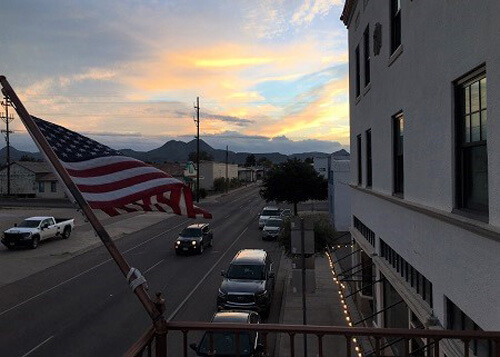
<point x="66" y="233"/>
<point x="34" y="242"/>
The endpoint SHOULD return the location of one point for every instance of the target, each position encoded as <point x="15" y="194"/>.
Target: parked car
<point x="224" y="342"/>
<point x="248" y="284"/>
<point x="286" y="213"/>
<point x="194" y="238"/>
<point x="34" y="229"/>
<point x="267" y="213"/>
<point x="272" y="229"/>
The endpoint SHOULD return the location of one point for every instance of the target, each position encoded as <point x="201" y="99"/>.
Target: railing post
<point x="185" y="342"/>
<point x="377" y="346"/>
<point x="348" y="346"/>
<point x="436" y="347"/>
<point x="320" y="345"/>
<point x="160" y="328"/>
<point x="407" y="347"/>
<point x="497" y="348"/>
<point x="292" y="344"/>
<point x="466" y="348"/>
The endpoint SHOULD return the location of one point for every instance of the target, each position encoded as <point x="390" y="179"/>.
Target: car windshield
<point x="29" y="223"/>
<point x="250" y="272"/>
<point x="191" y="232"/>
<point x="270" y="212"/>
<point x="273" y="223"/>
<point x="225" y="344"/>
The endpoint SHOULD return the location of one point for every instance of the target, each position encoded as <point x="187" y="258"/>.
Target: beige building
<point x="211" y="170"/>
<point x="31" y="179"/>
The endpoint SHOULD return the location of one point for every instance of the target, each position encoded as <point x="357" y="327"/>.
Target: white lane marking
<point x="84" y="272"/>
<point x="36" y="347"/>
<point x="172" y="315"/>
<point x="154" y="266"/>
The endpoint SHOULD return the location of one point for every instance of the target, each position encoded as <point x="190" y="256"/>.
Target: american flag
<point x="115" y="183"/>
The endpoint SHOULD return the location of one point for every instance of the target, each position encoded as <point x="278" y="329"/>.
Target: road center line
<point x="176" y="311"/>
<point x="85" y="272"/>
<point x="154" y="266"/>
<point x="38" y="346"/>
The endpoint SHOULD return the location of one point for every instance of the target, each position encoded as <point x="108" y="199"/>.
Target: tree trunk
<point x="295" y="208"/>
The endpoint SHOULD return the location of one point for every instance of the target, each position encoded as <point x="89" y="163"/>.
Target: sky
<point x="271" y="75"/>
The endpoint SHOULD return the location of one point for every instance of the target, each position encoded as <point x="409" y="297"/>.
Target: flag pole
<point x="45" y="148"/>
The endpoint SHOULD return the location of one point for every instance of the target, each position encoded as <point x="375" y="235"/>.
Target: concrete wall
<point x="441" y="42"/>
<point x="211" y="170"/>
<point x="22" y="181"/>
<point x="339" y="194"/>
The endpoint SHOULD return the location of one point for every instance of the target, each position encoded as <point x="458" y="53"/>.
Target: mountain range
<point x="178" y="151"/>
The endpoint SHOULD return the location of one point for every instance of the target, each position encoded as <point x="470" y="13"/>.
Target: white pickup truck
<point x="32" y="230"/>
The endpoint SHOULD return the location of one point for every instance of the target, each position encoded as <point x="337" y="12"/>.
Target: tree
<point x="250" y="160"/>
<point x="309" y="160"/>
<point x="294" y="181"/>
<point x="203" y="156"/>
<point x="264" y="162"/>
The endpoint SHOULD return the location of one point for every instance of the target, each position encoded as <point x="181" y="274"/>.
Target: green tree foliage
<point x="309" y="160"/>
<point x="250" y="160"/>
<point x="203" y="156"/>
<point x="324" y="234"/>
<point x="264" y="162"/>
<point x="293" y="181"/>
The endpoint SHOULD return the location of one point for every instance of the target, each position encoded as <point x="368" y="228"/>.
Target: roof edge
<point x="347" y="11"/>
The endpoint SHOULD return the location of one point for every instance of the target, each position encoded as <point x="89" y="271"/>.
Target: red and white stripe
<point x="118" y="184"/>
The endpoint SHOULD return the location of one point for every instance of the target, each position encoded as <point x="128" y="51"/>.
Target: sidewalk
<point x="323" y="308"/>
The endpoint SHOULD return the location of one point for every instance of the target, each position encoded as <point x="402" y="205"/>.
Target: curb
<point x="286" y="283"/>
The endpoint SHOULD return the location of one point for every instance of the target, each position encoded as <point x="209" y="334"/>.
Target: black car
<point x="194" y="239"/>
<point x="224" y="342"/>
<point x="249" y="283"/>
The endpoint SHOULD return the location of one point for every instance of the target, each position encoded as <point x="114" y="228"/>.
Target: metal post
<point x="7" y="132"/>
<point x="304" y="305"/>
<point x="227" y="169"/>
<point x="45" y="148"/>
<point x="197" y="149"/>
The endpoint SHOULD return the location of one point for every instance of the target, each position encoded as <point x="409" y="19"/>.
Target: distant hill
<point x="178" y="151"/>
<point x="16" y="155"/>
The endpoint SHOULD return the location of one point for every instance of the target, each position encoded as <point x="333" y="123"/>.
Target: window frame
<point x="395" y="25"/>
<point x="366" y="55"/>
<point x="357" y="64"/>
<point x="398" y="154"/>
<point x="462" y="147"/>
<point x="360" y="162"/>
<point x="369" y="161"/>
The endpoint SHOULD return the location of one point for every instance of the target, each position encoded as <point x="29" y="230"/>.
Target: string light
<point x="342" y="300"/>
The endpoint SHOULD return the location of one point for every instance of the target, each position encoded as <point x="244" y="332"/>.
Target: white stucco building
<point x="321" y="165"/>
<point x="424" y="78"/>
<point x="339" y="194"/>
<point x="211" y="170"/>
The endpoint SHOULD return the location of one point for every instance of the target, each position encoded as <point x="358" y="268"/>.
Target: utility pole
<point x="227" y="168"/>
<point x="304" y="305"/>
<point x="197" y="122"/>
<point x="7" y="119"/>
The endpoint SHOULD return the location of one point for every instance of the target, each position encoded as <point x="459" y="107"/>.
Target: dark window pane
<point x="358" y="74"/>
<point x="475" y="127"/>
<point x="484" y="125"/>
<point x="483" y="93"/>
<point x="467" y="129"/>
<point x="467" y="100"/>
<point x="474" y="96"/>
<point x="476" y="178"/>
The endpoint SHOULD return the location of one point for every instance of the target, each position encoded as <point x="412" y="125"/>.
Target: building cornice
<point x="349" y="6"/>
<point x="480" y="228"/>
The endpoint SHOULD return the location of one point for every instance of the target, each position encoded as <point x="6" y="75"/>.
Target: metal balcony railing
<point x="381" y="339"/>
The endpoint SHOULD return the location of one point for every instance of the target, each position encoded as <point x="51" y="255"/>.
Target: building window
<point x="41" y="186"/>
<point x="53" y="186"/>
<point x="358" y="74"/>
<point x="398" y="157"/>
<point x="360" y="164"/>
<point x="395" y="24"/>
<point x="472" y="156"/>
<point x="366" y="54"/>
<point x="369" y="158"/>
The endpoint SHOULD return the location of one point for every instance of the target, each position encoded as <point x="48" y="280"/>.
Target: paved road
<point x="84" y="308"/>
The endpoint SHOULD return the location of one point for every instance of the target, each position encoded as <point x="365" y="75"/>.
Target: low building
<point x="321" y="164"/>
<point x="211" y="170"/>
<point x="30" y="179"/>
<point x="339" y="194"/>
<point x="247" y="174"/>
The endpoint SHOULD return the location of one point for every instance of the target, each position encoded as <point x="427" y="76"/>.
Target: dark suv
<point x="224" y="342"/>
<point x="194" y="239"/>
<point x="249" y="282"/>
